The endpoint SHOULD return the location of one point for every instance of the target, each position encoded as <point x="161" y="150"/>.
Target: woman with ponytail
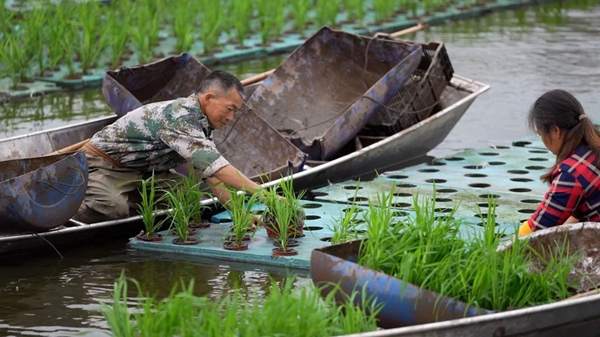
<point x="574" y="179"/>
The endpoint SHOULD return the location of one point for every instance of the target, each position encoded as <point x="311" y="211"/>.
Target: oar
<point x="258" y="78"/>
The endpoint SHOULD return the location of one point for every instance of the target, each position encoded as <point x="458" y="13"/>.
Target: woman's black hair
<point x="561" y="109"/>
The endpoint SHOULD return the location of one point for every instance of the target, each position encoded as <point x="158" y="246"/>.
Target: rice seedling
<point x="149" y="18"/>
<point x="183" y="27"/>
<point x="34" y="23"/>
<point x="242" y="216"/>
<point x="355" y="10"/>
<point x="242" y="12"/>
<point x="179" y="215"/>
<point x="192" y="185"/>
<point x="147" y="208"/>
<point x="300" y="9"/>
<point x="429" y="252"/>
<point x="382" y="9"/>
<point x="283" y="311"/>
<point x="265" y="20"/>
<point x="327" y="11"/>
<point x="284" y="216"/>
<point x="212" y="24"/>
<point x="58" y="31"/>
<point x="344" y="228"/>
<point x="141" y="39"/>
<point x="93" y="36"/>
<point x="118" y="33"/>
<point x="278" y="11"/>
<point x="16" y="58"/>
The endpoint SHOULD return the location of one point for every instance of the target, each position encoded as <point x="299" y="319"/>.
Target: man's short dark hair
<point x="221" y="80"/>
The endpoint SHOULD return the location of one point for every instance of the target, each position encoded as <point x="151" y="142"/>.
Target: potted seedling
<point x="180" y="217"/>
<point x="242" y="216"/>
<point x="283" y="215"/>
<point x="288" y="199"/>
<point x="146" y="210"/>
<point x="194" y="196"/>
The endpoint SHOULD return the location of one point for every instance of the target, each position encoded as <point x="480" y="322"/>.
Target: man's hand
<point x="257" y="222"/>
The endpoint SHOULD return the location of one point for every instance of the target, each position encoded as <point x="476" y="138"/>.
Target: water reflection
<point x="53" y="110"/>
<point x="49" y="296"/>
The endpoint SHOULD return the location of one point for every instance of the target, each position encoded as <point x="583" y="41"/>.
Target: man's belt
<point x="93" y="151"/>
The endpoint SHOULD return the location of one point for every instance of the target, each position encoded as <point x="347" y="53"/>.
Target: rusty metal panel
<point x="404" y="304"/>
<point x="328" y="88"/>
<point x="41" y="193"/>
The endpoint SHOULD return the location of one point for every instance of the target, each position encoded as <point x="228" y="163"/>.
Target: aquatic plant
<point x="278" y="13"/>
<point x="118" y="32"/>
<point x="428" y="251"/>
<point x="241" y="208"/>
<point x="344" y="228"/>
<point x="355" y="10"/>
<point x="383" y="9"/>
<point x="212" y="20"/>
<point x="300" y="10"/>
<point x="265" y="20"/>
<point x="147" y="207"/>
<point x="327" y="11"/>
<point x="15" y="58"/>
<point x="59" y="30"/>
<point x="242" y="12"/>
<point x="179" y="215"/>
<point x="34" y="23"/>
<point x="183" y="27"/>
<point x="91" y="40"/>
<point x="284" y="216"/>
<point x="194" y="195"/>
<point x="283" y="311"/>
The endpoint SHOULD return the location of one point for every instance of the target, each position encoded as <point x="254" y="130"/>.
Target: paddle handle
<point x="257" y="78"/>
<point x="418" y="27"/>
<point x="70" y="148"/>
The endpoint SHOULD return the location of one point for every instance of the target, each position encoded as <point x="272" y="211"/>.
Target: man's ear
<point x="205" y="98"/>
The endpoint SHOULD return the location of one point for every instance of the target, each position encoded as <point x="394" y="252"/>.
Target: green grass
<point x="429" y="252"/>
<point x="283" y="311"/>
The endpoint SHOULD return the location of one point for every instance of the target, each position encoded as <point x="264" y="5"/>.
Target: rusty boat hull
<point x="575" y="316"/>
<point x="41" y="193"/>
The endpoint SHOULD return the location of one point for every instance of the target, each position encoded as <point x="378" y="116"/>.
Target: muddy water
<point x="521" y="54"/>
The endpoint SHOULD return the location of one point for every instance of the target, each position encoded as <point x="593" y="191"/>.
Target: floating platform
<point x="507" y="175"/>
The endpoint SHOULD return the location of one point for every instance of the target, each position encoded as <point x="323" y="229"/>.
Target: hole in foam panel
<point x="521" y="143"/>
<point x="517" y="171"/>
<point x="475" y="175"/>
<point x="520" y="190"/>
<point x="436" y="181"/>
<point x="521" y="180"/>
<point x="480" y="185"/>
